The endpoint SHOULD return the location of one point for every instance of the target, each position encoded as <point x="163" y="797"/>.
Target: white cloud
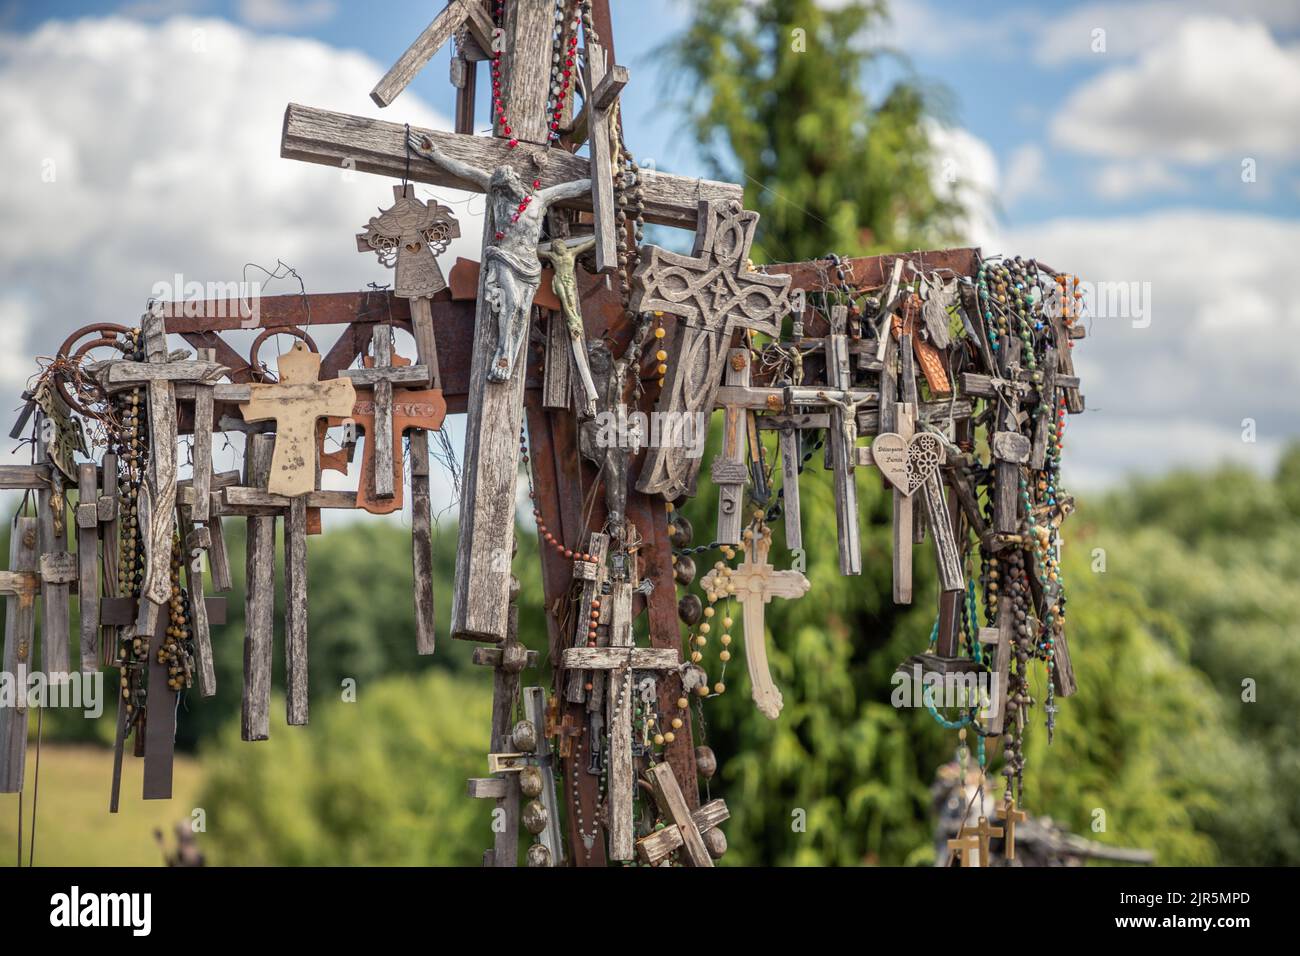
<point x="1214" y="89"/>
<point x="1134" y="28"/>
<point x="1218" y="348"/>
<point x="164" y="144"/>
<point x="1026" y="175"/>
<point x="286" y="14"/>
<point x="1125" y="179"/>
<point x="966" y="169"/>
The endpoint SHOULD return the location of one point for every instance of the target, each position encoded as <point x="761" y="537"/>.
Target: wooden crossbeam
<point x="374" y="146"/>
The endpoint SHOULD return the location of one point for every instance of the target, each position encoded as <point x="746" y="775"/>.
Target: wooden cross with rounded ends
<point x="754" y="584"/>
<point x="295" y="404"/>
<point x="1011" y="815"/>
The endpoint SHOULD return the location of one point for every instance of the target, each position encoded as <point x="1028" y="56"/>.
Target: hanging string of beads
<point x="563" y="62"/>
<point x="127" y="427"/>
<point x="544" y="534"/>
<point x="177" y="651"/>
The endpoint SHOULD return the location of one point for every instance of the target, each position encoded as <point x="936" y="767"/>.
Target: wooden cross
<point x="385" y="415"/>
<point x="655" y="847"/>
<point x="295" y="404"/>
<point x="973" y="842"/>
<point x="20" y="585"/>
<point x="165" y="375"/>
<point x="603" y="89"/>
<point x="55" y="563"/>
<point x="507" y="662"/>
<point x="158" y="728"/>
<point x="714" y="292"/>
<point x="620" y="658"/>
<point x="998" y="640"/>
<point x="467" y="15"/>
<point x="593" y="574"/>
<point x="790" y="427"/>
<point x="690" y="828"/>
<point x="1011" y="815"/>
<point x="754" y="583"/>
<point x="729" y="472"/>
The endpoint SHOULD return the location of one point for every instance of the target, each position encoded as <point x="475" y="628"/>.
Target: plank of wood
<point x="602" y="173"/>
<point x="556" y="374"/>
<point x="947" y="557"/>
<point x="20" y="636"/>
<point x="840" y="378"/>
<point x="619" y="722"/>
<point x="529" y="27"/>
<point x="422" y="542"/>
<point x="24" y="477"/>
<point x="1006" y="474"/>
<point x="161" y="484"/>
<point x="160" y="717"/>
<point x="88" y="584"/>
<point x="203" y="412"/>
<point x="200" y="540"/>
<point x="374" y="146"/>
<point x="485" y="543"/>
<point x="259" y="600"/>
<point x="218" y="557"/>
<point x="55" y="610"/>
<point x="903" y="417"/>
<point x="606" y="658"/>
<point x="426" y="343"/>
<point x="551" y="837"/>
<point x="729" y="473"/>
<point x="295" y="613"/>
<point x="790" y="462"/>
<point x="458" y="13"/>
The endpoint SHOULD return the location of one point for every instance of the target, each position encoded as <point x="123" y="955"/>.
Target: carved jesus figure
<point x="564" y="260"/>
<point x="512" y="269"/>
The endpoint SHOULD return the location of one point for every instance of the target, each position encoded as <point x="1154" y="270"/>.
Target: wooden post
<point x="88" y="585"/>
<point x="422" y="542"/>
<point x="729" y="472"/>
<point x="52" y="515"/>
<point x="295" y="612"/>
<point x="19" y="585"/>
<point x="259" y="599"/>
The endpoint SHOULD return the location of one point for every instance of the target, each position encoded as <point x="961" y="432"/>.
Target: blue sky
<point x="1161" y="161"/>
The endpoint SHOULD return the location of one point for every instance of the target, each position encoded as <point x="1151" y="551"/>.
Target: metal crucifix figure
<point x="513" y="271"/>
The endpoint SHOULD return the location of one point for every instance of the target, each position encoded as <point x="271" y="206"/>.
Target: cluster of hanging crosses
<point x="596" y="361"/>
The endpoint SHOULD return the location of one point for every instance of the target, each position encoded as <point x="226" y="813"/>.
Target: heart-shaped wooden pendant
<point x="907" y="464"/>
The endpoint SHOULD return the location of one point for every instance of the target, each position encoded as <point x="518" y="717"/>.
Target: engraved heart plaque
<point x="907" y="464"/>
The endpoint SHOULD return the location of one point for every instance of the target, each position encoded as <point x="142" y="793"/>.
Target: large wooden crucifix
<point x="515" y="171"/>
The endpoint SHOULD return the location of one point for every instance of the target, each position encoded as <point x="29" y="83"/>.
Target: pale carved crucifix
<point x="754" y="583"/>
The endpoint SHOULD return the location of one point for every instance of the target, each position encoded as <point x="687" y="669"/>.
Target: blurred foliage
<point x="777" y="95"/>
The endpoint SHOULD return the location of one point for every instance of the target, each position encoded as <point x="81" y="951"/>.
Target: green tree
<point x="775" y="95"/>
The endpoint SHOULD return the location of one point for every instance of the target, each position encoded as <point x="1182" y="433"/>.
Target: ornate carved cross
<point x="716" y="292"/>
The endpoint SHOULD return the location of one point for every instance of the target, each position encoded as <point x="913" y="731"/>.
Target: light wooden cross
<point x="790" y="427"/>
<point x="621" y="658"/>
<point x="715" y="292"/>
<point x="19" y="585"/>
<point x="973" y="842"/>
<point x="754" y="583"/>
<point x="295" y="404"/>
<point x="1011" y="815"/>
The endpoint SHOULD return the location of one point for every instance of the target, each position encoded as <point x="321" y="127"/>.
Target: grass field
<point x="74" y="827"/>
